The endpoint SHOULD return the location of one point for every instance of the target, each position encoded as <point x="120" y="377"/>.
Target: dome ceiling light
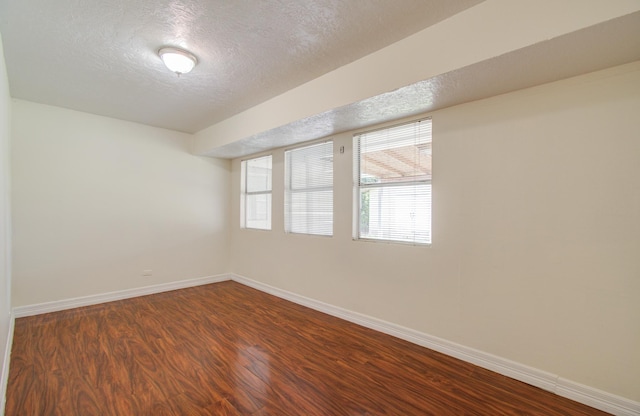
<point x="177" y="60"/>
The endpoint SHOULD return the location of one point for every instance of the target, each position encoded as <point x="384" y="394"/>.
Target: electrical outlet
<point x="147" y="272"/>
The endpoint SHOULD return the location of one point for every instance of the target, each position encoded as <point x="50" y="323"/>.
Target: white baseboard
<point x="4" y="377"/>
<point x="59" y="305"/>
<point x="599" y="399"/>
<point x="590" y="396"/>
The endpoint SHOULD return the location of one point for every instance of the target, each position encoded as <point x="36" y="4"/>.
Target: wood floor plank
<point x="226" y="349"/>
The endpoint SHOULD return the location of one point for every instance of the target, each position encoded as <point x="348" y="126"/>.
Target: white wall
<point x="536" y="225"/>
<point x="5" y="227"/>
<point x="99" y="200"/>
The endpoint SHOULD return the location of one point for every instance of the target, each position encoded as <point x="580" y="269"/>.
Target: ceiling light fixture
<point x="177" y="60"/>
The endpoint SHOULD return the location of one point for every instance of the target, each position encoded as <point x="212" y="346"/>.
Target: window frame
<point x="244" y="193"/>
<point x="358" y="186"/>
<point x="288" y="171"/>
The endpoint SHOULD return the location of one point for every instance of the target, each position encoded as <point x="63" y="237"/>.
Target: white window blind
<point x="309" y="189"/>
<point x="256" y="193"/>
<point x="392" y="177"/>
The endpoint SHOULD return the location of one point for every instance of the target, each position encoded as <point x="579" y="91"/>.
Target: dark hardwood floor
<point x="226" y="349"/>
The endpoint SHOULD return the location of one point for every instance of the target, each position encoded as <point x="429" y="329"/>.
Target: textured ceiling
<point x="99" y="56"/>
<point x="611" y="43"/>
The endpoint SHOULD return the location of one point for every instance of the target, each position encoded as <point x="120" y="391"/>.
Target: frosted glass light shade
<point x="177" y="60"/>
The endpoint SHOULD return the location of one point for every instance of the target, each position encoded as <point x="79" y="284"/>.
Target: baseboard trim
<point x="599" y="399"/>
<point x="500" y="365"/>
<point x="4" y="377"/>
<point x="59" y="305"/>
<point x="590" y="396"/>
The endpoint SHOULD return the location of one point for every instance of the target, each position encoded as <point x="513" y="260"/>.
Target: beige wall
<point x="98" y="200"/>
<point x="5" y="223"/>
<point x="536" y="220"/>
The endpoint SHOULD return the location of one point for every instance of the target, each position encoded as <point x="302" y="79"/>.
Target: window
<point x="255" y="204"/>
<point x="392" y="177"/>
<point x="308" y="206"/>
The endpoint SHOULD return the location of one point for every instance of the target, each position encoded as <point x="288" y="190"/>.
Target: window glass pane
<point x="311" y="212"/>
<point x="309" y="189"/>
<point x="311" y="166"/>
<point x="258" y="211"/>
<point x="396" y="154"/>
<point x="398" y="213"/>
<point x="259" y="174"/>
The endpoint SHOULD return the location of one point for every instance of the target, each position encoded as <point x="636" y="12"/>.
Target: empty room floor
<point x="227" y="349"/>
